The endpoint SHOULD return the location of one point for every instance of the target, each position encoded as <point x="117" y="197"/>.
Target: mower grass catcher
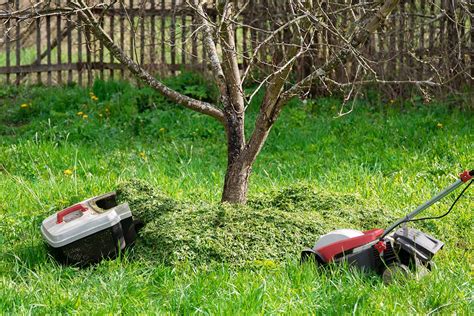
<point x="384" y="251"/>
<point x="89" y="231"/>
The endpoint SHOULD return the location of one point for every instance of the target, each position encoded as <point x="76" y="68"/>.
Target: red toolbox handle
<point x="69" y="210"/>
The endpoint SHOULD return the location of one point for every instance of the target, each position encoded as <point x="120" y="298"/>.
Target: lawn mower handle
<point x="463" y="178"/>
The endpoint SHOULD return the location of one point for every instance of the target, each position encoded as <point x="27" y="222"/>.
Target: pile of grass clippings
<point x="270" y="228"/>
<point x="146" y="202"/>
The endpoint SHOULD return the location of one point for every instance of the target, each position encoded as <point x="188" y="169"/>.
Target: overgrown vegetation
<point x="359" y="171"/>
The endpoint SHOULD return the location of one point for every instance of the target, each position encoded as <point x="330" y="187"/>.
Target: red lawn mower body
<point x="332" y="250"/>
<point x="381" y="249"/>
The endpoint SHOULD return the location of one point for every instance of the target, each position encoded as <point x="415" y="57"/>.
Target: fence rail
<point x="424" y="38"/>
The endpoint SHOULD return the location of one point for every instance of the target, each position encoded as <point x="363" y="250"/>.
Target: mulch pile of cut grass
<point x="270" y="228"/>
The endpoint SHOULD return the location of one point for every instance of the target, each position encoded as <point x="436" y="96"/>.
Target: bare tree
<point x="291" y="36"/>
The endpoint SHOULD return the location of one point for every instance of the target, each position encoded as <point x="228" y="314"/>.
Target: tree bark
<point x="236" y="181"/>
<point x="238" y="164"/>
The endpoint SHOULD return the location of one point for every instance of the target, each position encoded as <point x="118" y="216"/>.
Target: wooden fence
<point x="423" y="39"/>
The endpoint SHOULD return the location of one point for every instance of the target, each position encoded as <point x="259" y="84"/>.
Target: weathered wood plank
<point x="17" y="42"/>
<point x="162" y="32"/>
<point x="25" y="69"/>
<point x="183" y="38"/>
<point x="99" y="11"/>
<point x="173" y="33"/>
<point x="38" y="47"/>
<point x="80" y="29"/>
<point x="142" y="32"/>
<point x="88" y="39"/>
<point x="112" y="37"/>
<point x="69" y="48"/>
<point x="122" y="35"/>
<point x="194" y="44"/>
<point x="101" y="50"/>
<point x="7" y="44"/>
<point x="153" y="36"/>
<point x="58" y="47"/>
<point x="132" y="14"/>
<point x="48" y="48"/>
<point x="401" y="41"/>
<point x="422" y="39"/>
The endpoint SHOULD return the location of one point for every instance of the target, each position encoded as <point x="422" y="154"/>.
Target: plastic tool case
<point x="89" y="231"/>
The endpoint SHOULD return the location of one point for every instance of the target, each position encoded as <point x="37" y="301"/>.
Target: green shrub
<point x="194" y="85"/>
<point x="106" y="89"/>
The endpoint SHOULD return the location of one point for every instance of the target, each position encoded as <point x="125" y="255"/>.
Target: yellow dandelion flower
<point x="24" y="106"/>
<point x="67" y="172"/>
<point x="439" y="125"/>
<point x="143" y="155"/>
<point x="100" y="115"/>
<point x="80" y="113"/>
<point x="85" y="116"/>
<point x="94" y="98"/>
<point x="162" y="130"/>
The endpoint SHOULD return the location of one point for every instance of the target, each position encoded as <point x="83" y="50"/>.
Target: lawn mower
<point x="383" y="251"/>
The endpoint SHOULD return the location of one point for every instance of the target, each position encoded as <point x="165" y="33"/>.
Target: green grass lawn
<point x="394" y="156"/>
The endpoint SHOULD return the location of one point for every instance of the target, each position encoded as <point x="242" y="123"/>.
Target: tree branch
<point x="275" y="99"/>
<point x="88" y="17"/>
<point x="227" y="77"/>
<point x="211" y="51"/>
<point x="368" y="24"/>
<point x="230" y="64"/>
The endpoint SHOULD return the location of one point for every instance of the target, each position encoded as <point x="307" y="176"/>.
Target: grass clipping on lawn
<point x="269" y="229"/>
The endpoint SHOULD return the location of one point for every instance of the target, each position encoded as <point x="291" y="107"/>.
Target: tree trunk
<point x="236" y="182"/>
<point x="238" y="167"/>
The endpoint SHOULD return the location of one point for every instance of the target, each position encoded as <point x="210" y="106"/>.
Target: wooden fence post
<point x="153" y="37"/>
<point x="112" y="36"/>
<point x="48" y="47"/>
<point x="17" y="42"/>
<point x="38" y="46"/>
